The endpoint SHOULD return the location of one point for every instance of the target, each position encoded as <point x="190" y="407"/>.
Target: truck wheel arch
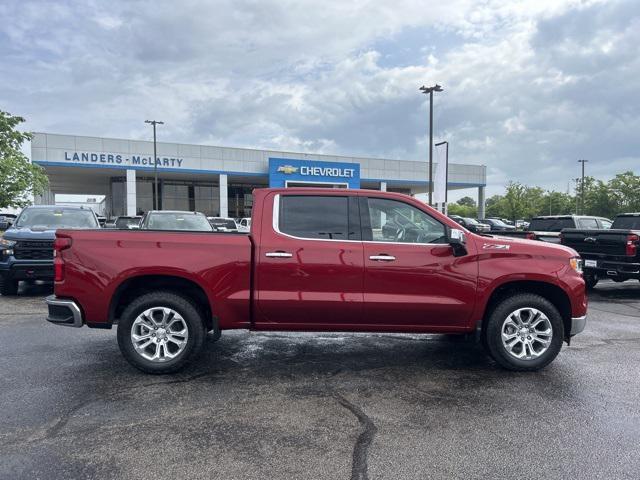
<point x="551" y="292"/>
<point x="133" y="287"/>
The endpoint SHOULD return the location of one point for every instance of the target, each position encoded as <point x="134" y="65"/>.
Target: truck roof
<point x="634" y="214"/>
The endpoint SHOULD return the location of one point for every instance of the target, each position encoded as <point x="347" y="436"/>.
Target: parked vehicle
<point x="26" y="249"/>
<point x="6" y="220"/>
<point x="223" y="224"/>
<point x="471" y="224"/>
<point x="175" y="220"/>
<point x="548" y="228"/>
<point x="497" y="225"/>
<point x="244" y="225"/>
<point x="127" y="223"/>
<point x="612" y="253"/>
<point x="522" y="224"/>
<point x="318" y="260"/>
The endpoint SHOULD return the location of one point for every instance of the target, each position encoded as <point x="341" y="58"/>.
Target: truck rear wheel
<point x="524" y="332"/>
<point x="160" y="332"/>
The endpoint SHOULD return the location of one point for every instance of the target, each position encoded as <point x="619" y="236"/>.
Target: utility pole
<point x="155" y="163"/>
<point x="430" y="90"/>
<point x="446" y="176"/>
<point x="582" y="185"/>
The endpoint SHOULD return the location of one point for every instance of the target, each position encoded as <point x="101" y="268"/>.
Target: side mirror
<point x="458" y="241"/>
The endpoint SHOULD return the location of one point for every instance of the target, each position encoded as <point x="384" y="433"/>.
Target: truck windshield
<point x="57" y="218"/>
<point x="551" y="224"/>
<point x="179" y="221"/>
<point x="627" y="223"/>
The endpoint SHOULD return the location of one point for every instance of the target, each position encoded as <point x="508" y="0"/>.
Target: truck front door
<point x="411" y="276"/>
<point x="309" y="260"/>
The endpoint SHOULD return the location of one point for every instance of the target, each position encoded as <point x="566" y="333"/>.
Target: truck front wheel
<point x="8" y="287"/>
<point x="590" y="279"/>
<point x="524" y="332"/>
<point x="160" y="332"/>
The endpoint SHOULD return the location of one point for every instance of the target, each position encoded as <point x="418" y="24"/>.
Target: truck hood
<point x="30" y="233"/>
<point x="521" y="245"/>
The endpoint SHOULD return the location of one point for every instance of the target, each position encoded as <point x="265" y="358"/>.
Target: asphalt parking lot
<point x="319" y="406"/>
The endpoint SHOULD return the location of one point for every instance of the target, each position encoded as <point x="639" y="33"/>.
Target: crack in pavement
<point x="361" y="447"/>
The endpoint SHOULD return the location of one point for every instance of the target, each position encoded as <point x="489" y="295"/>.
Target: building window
<point x="207" y="199"/>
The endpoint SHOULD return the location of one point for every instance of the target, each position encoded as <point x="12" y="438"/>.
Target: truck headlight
<point x="576" y="264"/>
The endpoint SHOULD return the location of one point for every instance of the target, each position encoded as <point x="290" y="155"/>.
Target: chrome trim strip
<point x="276" y="221"/>
<point x="578" y="324"/>
<point x="71" y="305"/>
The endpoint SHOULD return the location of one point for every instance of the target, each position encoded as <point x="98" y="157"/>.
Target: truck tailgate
<point x="596" y="242"/>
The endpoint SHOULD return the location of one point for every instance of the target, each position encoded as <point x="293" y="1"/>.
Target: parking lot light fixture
<point x="155" y="163"/>
<point x="429" y="91"/>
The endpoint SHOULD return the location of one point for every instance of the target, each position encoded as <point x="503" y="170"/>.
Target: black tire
<point x="493" y="332"/>
<point x="193" y="322"/>
<point x="8" y="287"/>
<point x="590" y="280"/>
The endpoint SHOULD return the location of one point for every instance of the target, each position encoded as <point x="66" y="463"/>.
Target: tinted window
<point x="394" y="221"/>
<point x="627" y="223"/>
<point x="309" y="216"/>
<point x="57" y="218"/>
<point x="589" y="223"/>
<point x="551" y="224"/>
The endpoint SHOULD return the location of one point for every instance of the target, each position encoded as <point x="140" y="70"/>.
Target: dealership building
<point x="217" y="181"/>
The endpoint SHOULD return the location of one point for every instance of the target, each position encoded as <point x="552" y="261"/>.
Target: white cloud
<point x="526" y="83"/>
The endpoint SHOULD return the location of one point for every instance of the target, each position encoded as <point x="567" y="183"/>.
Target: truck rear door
<point x="309" y="261"/>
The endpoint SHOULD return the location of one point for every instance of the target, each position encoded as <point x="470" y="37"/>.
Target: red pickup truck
<point x="320" y="260"/>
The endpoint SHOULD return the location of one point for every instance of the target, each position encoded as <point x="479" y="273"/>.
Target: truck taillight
<point x="530" y="236"/>
<point x="59" y="244"/>
<point x="632" y="247"/>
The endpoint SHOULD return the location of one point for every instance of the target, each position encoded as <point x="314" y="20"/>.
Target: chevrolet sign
<point x="287" y="169"/>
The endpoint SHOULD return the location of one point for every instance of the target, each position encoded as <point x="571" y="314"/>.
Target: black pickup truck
<point x="548" y="228"/>
<point x="612" y="253"/>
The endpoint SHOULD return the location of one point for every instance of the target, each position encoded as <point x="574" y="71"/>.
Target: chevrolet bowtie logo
<point x="287" y="169"/>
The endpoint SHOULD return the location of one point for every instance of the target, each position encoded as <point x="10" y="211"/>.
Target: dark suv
<point x="26" y="249"/>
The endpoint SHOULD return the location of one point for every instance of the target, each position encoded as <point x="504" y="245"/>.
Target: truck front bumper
<point x="64" y="312"/>
<point x="26" y="270"/>
<point x="578" y="324"/>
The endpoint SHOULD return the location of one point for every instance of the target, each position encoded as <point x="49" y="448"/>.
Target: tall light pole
<point x="446" y="175"/>
<point x="430" y="90"/>
<point x="155" y="163"/>
<point x="582" y="186"/>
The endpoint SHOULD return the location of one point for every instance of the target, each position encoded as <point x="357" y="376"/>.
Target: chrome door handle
<point x="278" y="255"/>
<point x="382" y="258"/>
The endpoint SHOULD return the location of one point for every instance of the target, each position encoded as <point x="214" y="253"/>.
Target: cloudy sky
<point x="529" y="87"/>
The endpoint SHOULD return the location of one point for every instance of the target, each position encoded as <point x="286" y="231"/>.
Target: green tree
<point x="462" y="210"/>
<point x="19" y="178"/>
<point x="467" y="202"/>
<point x="625" y="190"/>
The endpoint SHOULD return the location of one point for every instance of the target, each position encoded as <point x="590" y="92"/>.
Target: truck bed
<point x="101" y="263"/>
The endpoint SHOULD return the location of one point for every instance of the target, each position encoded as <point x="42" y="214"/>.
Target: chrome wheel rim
<point x="159" y="334"/>
<point x="526" y="333"/>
